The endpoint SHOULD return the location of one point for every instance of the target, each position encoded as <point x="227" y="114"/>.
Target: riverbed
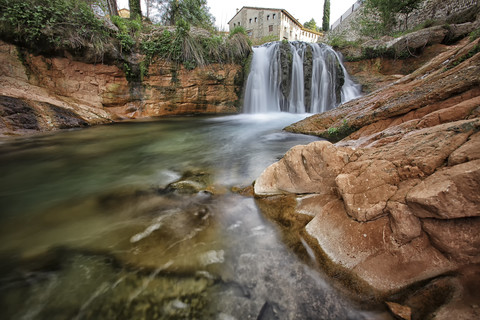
<point x="137" y="220"/>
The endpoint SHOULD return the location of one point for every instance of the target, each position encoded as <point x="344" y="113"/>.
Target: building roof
<point x="285" y="12"/>
<point x="124" y="13"/>
<point x="318" y="33"/>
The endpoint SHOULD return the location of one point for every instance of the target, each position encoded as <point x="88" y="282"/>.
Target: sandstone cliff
<point x="40" y="93"/>
<point x="393" y="209"/>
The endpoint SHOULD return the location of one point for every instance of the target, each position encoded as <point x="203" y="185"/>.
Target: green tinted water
<point x="92" y="228"/>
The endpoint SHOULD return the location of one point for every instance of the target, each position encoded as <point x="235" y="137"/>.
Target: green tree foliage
<point x="406" y="7"/>
<point x="196" y="12"/>
<point x="135" y="9"/>
<point x="326" y="16"/>
<point x="387" y="11"/>
<point x="312" y="25"/>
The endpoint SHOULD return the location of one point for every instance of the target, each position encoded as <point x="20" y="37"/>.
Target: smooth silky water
<point x="90" y="231"/>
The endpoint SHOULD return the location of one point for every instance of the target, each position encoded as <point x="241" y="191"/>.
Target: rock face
<point x="40" y="93"/>
<point x="396" y="202"/>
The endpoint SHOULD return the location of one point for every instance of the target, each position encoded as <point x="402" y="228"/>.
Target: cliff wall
<point x="40" y="93"/>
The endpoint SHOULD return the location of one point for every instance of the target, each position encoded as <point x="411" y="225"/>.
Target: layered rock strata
<point x="40" y="93"/>
<point x="395" y="203"/>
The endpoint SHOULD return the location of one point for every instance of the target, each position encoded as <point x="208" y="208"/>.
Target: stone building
<point x="264" y="22"/>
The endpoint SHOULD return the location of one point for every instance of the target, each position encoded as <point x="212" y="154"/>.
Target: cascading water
<point x="297" y="77"/>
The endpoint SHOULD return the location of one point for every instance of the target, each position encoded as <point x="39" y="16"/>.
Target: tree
<point x="387" y="10"/>
<point x="135" y="9"/>
<point x="195" y="12"/>
<point x="406" y="7"/>
<point x="312" y="25"/>
<point x="112" y="7"/>
<point x="326" y="16"/>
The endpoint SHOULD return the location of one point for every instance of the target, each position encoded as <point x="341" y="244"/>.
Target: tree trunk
<point x="135" y="9"/>
<point x="112" y="7"/>
<point x="148" y="3"/>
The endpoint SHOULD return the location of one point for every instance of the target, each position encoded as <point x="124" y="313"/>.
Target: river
<point x="93" y="225"/>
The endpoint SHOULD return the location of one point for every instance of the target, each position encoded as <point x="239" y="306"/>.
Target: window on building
<point x="238" y="23"/>
<point x="255" y="19"/>
<point x="268" y="17"/>
<point x="270" y="28"/>
<point x="250" y="21"/>
<point x="234" y="24"/>
<point x="273" y="16"/>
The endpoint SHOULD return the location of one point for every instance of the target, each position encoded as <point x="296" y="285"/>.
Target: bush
<point x="238" y="29"/>
<point x="335" y="134"/>
<point x="182" y="46"/>
<point x="49" y="25"/>
<point x="129" y="30"/>
<point x="475" y="35"/>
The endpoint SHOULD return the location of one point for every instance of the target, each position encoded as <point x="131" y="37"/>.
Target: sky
<point x="302" y="10"/>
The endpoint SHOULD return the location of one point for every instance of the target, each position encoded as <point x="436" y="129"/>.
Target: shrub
<point x="129" y="30"/>
<point x="238" y="29"/>
<point x="334" y="134"/>
<point x="475" y="35"/>
<point x="183" y="46"/>
<point x="49" y="25"/>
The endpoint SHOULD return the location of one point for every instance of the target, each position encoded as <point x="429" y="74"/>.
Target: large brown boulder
<point x="304" y="169"/>
<point x="448" y="194"/>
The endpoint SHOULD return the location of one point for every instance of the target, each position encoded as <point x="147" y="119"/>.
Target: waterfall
<point x="297" y="77"/>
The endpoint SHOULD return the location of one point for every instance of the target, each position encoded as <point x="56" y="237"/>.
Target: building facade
<point x="265" y="22"/>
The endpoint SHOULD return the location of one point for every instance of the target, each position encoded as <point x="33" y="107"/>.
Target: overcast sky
<point x="302" y="10"/>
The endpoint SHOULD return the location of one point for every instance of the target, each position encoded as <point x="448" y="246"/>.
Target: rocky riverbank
<point x="393" y="209"/>
<point x="39" y="93"/>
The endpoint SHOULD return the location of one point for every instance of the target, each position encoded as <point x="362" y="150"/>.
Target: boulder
<point x="404" y="224"/>
<point x="408" y="43"/>
<point x="304" y="169"/>
<point x="467" y="152"/>
<point x="366" y="186"/>
<point x="459" y="31"/>
<point x="369" y="251"/>
<point x="448" y="194"/>
<point x="458" y="238"/>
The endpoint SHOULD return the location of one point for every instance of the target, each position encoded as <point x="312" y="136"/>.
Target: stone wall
<point x="440" y="10"/>
<point x="349" y="27"/>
